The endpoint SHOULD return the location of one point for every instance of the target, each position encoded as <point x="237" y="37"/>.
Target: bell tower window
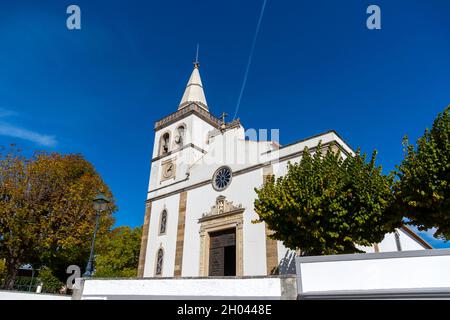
<point x="164" y="143"/>
<point x="179" y="135"/>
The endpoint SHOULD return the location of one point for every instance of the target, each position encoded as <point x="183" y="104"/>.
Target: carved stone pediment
<point x="222" y="206"/>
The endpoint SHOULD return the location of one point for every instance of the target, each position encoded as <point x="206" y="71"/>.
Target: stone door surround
<point x="223" y="215"/>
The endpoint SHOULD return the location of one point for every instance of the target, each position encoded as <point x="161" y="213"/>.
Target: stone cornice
<point x="191" y="108"/>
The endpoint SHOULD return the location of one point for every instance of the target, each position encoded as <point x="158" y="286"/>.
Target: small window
<point x="159" y="261"/>
<point x="164" y="143"/>
<point x="163" y="222"/>
<point x="179" y="135"/>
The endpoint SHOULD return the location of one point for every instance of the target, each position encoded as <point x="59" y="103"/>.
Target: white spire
<point x="194" y="90"/>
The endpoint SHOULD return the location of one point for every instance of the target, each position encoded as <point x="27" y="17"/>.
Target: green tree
<point x="50" y="283"/>
<point x="46" y="211"/>
<point x="422" y="190"/>
<point x="118" y="253"/>
<point x="326" y="204"/>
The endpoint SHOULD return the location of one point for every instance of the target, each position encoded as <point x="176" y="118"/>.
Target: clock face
<point x="168" y="170"/>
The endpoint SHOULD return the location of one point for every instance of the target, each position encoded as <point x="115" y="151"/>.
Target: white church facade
<point x="199" y="208"/>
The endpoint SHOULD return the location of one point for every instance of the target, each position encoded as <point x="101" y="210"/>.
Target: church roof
<point x="194" y="90"/>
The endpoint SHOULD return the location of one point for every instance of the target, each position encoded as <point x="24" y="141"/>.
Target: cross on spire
<point x="223" y="119"/>
<point x="196" y="63"/>
<point x="194" y="88"/>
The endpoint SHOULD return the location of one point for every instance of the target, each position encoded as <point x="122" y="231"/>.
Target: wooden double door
<point x="222" y="253"/>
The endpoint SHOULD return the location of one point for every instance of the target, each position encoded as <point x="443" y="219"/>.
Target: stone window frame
<point x="160" y="249"/>
<point x="214" y="177"/>
<point x="219" y="222"/>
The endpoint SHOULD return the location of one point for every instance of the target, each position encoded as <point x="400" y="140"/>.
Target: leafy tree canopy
<point x="46" y="211"/>
<point x="118" y="253"/>
<point x="423" y="188"/>
<point x="326" y="204"/>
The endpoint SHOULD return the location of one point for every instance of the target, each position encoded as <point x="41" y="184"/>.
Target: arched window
<point x="164" y="143"/>
<point x="159" y="261"/>
<point x="179" y="135"/>
<point x="163" y="222"/>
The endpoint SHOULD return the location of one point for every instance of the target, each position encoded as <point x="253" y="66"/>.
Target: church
<point x="199" y="207"/>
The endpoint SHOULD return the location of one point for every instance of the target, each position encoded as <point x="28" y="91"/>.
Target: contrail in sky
<point x="11" y="130"/>
<point x="249" y="62"/>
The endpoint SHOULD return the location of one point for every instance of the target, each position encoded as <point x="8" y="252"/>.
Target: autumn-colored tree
<point x="326" y="204"/>
<point x="118" y="253"/>
<point x="422" y="191"/>
<point x="2" y="269"/>
<point x="46" y="211"/>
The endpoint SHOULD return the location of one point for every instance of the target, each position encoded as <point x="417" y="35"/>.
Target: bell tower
<point x="182" y="137"/>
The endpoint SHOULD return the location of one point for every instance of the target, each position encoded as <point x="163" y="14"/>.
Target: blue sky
<point x="98" y="90"/>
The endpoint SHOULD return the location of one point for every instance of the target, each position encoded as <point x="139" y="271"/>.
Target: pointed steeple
<point x="194" y="90"/>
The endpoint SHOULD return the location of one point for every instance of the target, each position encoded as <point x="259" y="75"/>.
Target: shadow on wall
<point x="286" y="265"/>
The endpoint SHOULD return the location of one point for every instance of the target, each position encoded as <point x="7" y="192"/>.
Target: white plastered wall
<point x="167" y="241"/>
